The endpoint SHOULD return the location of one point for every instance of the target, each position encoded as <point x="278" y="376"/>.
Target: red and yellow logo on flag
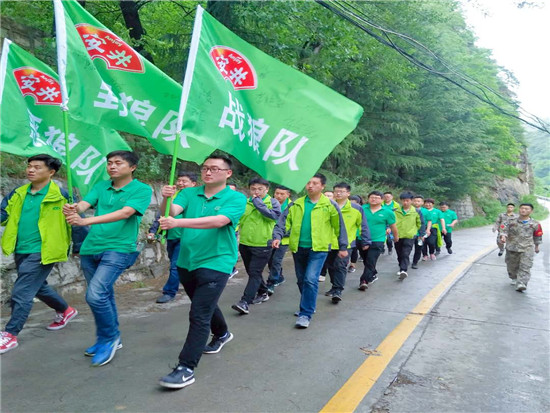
<point x="104" y="45"/>
<point x="235" y="67"/>
<point x="42" y="87"/>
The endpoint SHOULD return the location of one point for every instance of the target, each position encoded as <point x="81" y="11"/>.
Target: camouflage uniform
<point x="521" y="238"/>
<point x="500" y="223"/>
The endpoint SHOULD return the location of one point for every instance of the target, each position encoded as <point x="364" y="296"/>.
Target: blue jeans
<point x="31" y="282"/>
<point x="173" y="283"/>
<point x="308" y="264"/>
<point x="101" y="271"/>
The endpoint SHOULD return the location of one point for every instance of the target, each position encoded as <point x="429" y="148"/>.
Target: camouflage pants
<point x="500" y="244"/>
<point x="519" y="265"/>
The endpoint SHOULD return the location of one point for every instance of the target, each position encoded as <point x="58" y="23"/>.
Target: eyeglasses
<point x="213" y="169"/>
<point x="340" y="192"/>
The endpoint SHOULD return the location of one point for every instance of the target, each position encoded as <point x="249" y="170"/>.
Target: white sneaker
<point x="322" y="278"/>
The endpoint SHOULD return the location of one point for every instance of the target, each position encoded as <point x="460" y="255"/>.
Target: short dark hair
<point x="224" y="158"/>
<point x="443" y="203"/>
<point x="406" y="195"/>
<point x="510" y="203"/>
<point x="527" y="204"/>
<point x="430" y="200"/>
<point x="232" y="183"/>
<point x="388" y="193"/>
<point x="191" y="175"/>
<point x="377" y="193"/>
<point x="128" y="156"/>
<point x="322" y="177"/>
<point x="357" y="199"/>
<point x="49" y="161"/>
<point x="258" y="181"/>
<point x="283" y="188"/>
<point x="418" y="196"/>
<point x="344" y="185"/>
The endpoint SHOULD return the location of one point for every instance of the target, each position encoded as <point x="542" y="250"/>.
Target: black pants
<point x="430" y="242"/>
<point x="337" y="269"/>
<point x="403" y="248"/>
<point x="448" y="240"/>
<point x="204" y="287"/>
<point x="389" y="243"/>
<point x="417" y="251"/>
<point x="354" y="255"/>
<point x="370" y="258"/>
<point x="254" y="259"/>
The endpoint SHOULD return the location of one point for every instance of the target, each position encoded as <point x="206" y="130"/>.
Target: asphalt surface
<point x="483" y="347"/>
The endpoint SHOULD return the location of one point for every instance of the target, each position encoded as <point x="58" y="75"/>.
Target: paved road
<point x="484" y="347"/>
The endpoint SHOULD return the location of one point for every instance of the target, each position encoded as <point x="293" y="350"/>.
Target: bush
<point x="477" y="221"/>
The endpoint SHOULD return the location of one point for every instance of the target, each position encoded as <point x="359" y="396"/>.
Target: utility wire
<point x="358" y="19"/>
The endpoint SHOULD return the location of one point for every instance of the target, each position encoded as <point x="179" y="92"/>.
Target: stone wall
<point x="151" y="263"/>
<point x="24" y="36"/>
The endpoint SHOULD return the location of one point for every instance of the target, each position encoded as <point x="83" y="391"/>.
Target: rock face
<point x="151" y="263"/>
<point x="512" y="189"/>
<point x="464" y="208"/>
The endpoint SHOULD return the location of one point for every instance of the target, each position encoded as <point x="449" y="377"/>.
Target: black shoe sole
<point x="336" y="299"/>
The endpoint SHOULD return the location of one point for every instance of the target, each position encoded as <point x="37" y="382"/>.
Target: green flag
<point x="273" y="118"/>
<point x="108" y="82"/>
<point x="32" y="121"/>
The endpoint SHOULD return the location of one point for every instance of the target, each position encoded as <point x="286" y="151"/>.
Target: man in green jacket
<point x="37" y="233"/>
<point x="356" y="223"/>
<point x="255" y="235"/>
<point x="312" y="221"/>
<point x="408" y="224"/>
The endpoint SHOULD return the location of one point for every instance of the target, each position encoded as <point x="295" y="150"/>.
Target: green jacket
<point x="409" y="223"/>
<point x="54" y="230"/>
<point x="356" y="225"/>
<point x="257" y="223"/>
<point x="326" y="220"/>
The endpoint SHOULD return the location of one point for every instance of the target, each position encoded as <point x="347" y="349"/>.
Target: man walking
<point x="419" y="241"/>
<point x="111" y="246"/>
<point x="354" y="221"/>
<point x="522" y="236"/>
<point x="378" y="219"/>
<point x="275" y="263"/>
<point x="390" y="204"/>
<point x="312" y="221"/>
<point x="451" y="219"/>
<point x="255" y="236"/>
<point x="208" y="254"/>
<point x="501" y="222"/>
<point x="37" y="233"/>
<point x="408" y="225"/>
<point x="437" y="226"/>
<point x="170" y="289"/>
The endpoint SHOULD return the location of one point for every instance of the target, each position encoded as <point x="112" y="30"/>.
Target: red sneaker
<point x="62" y="319"/>
<point x="7" y="342"/>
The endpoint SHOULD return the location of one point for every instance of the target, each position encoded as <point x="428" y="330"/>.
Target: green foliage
<point x="538" y="147"/>
<point x="477" y="221"/>
<point x="418" y="131"/>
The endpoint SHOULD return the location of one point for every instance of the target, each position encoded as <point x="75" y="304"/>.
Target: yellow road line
<point x="359" y="384"/>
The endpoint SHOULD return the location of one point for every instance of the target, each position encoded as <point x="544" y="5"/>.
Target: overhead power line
<point x="353" y="14"/>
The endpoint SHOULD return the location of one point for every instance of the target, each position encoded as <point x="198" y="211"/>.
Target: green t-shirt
<point x="434" y="215"/>
<point x="119" y="236"/>
<point x="391" y="206"/>
<point x="29" y="240"/>
<point x="174" y="233"/>
<point x="449" y="216"/>
<point x="213" y="248"/>
<point x="305" y="232"/>
<point x="378" y="222"/>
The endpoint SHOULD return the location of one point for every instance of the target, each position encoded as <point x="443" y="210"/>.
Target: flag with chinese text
<point x="273" y="118"/>
<point x="32" y="122"/>
<point x="110" y="83"/>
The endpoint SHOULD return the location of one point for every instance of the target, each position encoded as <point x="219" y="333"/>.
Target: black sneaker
<point x="281" y="281"/>
<point x="363" y="286"/>
<point x="450" y="251"/>
<point x="241" y="307"/>
<point x="217" y="343"/>
<point x="414" y="266"/>
<point x="390" y="252"/>
<point x="180" y="377"/>
<point x="260" y="298"/>
<point x="336" y="297"/>
<point x="165" y="298"/>
<point x="372" y="280"/>
<point x="270" y="290"/>
<point x="500" y="253"/>
<point x="329" y="293"/>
